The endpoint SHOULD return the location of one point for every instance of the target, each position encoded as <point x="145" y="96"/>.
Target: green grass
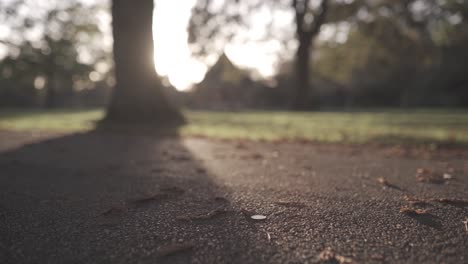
<point x="422" y="126"/>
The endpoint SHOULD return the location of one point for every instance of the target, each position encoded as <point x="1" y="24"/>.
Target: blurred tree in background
<point x="333" y="54"/>
<point x="368" y="53"/>
<point x="54" y="51"/>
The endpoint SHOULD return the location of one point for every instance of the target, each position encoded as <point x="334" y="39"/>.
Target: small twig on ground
<point x="385" y="183"/>
<point x="174" y="249"/>
<point x="413" y="201"/>
<point x="413" y="211"/>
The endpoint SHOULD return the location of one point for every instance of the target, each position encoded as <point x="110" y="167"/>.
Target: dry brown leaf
<point x="409" y="198"/>
<point x="382" y="181"/>
<point x="412" y="211"/>
<point x="453" y="201"/>
<point x="466" y="224"/>
<point x="413" y="201"/>
<point x="385" y="183"/>
<point x="174" y="249"/>
<point x="329" y="256"/>
<point x="429" y="176"/>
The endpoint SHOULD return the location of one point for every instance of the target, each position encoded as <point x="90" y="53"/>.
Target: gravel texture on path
<point x="100" y="197"/>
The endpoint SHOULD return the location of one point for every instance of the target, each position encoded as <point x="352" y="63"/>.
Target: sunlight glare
<point x="172" y="54"/>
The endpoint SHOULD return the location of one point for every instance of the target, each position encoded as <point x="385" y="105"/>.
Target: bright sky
<point x="172" y="54"/>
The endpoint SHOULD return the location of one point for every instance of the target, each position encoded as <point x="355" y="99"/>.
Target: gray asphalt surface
<point x="121" y="198"/>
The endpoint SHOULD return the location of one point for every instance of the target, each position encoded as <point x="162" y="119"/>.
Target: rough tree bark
<point x="137" y="96"/>
<point x="306" y="31"/>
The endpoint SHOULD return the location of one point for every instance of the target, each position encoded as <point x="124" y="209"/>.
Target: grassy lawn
<point x="422" y="126"/>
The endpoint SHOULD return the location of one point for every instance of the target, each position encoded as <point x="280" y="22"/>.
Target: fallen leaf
<point x="385" y="183"/>
<point x="466" y="224"/>
<point x="412" y="211"/>
<point x="453" y="201"/>
<point x="377" y="257"/>
<point x="429" y="176"/>
<point x="382" y="181"/>
<point x="174" y="249"/>
<point x="414" y="201"/>
<point x="329" y="256"/>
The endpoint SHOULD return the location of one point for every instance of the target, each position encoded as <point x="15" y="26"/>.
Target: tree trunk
<point x="137" y="96"/>
<point x="302" y="85"/>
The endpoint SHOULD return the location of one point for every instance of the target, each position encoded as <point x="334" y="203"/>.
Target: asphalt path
<point x="101" y="197"/>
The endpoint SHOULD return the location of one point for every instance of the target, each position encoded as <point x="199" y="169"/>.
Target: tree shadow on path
<point x="117" y="197"/>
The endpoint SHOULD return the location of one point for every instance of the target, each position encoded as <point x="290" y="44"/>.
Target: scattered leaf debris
<point x="413" y="201"/>
<point x="385" y="183"/>
<point x="413" y="211"/>
<point x="453" y="201"/>
<point x="329" y="256"/>
<point x="377" y="257"/>
<point x="429" y="176"/>
<point x="174" y="249"/>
